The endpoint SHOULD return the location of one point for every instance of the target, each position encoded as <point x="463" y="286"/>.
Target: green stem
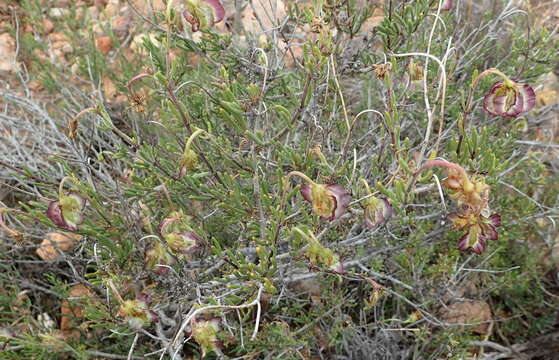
<point x="302" y="176"/>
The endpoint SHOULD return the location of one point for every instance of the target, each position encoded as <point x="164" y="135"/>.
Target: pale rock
<point x="58" y="12"/>
<point x="7" y="54"/>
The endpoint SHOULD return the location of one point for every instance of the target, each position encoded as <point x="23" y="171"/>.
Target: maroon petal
<point x="306" y="192"/>
<point x="54" y="212"/>
<point x="164" y="225"/>
<point x="219" y="10"/>
<point x="525" y="100"/>
<point x="342" y="197"/>
<point x="495" y="220"/>
<point x="447" y="5"/>
<point x="472" y="241"/>
<point x="191" y="237"/>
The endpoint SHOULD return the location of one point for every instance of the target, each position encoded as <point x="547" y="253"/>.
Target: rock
<point x="7" y="54"/>
<point x="48" y="26"/>
<point x="121" y="25"/>
<point x="55" y="241"/>
<point x="72" y="309"/>
<point x="58" y="12"/>
<point x="104" y="44"/>
<point x="464" y="312"/>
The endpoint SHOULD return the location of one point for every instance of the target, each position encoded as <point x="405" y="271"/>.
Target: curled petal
<point x="342" y="198"/>
<point x="306" y="191"/>
<point x="67" y="212"/>
<point x="202" y="14"/>
<point x="54" y="212"/>
<point x="219" y="10"/>
<point x="472" y="241"/>
<point x="495" y="220"/>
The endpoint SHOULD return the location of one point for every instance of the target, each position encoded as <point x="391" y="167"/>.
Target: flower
<point x="136" y="312"/>
<point x="204" y="332"/>
<point x="67" y="211"/>
<point x="478" y="229"/>
<point x="158" y="255"/>
<point x="447" y="5"/>
<point x="329" y="201"/>
<point x="377" y="211"/>
<point x="202" y="14"/>
<point x="178" y="234"/>
<point x="320" y="255"/>
<point x="509" y="99"/>
<point x="188" y="162"/>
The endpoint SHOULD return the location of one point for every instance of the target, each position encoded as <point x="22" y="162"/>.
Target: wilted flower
<point x="415" y="70"/>
<point x="465" y="190"/>
<point x="179" y="235"/>
<point x="158" y="255"/>
<point x="509" y="99"/>
<point x="478" y="229"/>
<point x="204" y="332"/>
<point x="136" y="312"/>
<point x="202" y="14"/>
<point x="67" y="211"/>
<point x="329" y="201"/>
<point x="377" y="211"/>
<point x="381" y="70"/>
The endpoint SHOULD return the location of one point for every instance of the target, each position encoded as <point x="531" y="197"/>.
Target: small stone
<point x="61" y="240"/>
<point x="58" y="12"/>
<point x="7" y="53"/>
<point x="104" y="44"/>
<point x="48" y="26"/>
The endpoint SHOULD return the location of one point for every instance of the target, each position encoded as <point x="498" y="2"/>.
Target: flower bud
<point x="188" y="162"/>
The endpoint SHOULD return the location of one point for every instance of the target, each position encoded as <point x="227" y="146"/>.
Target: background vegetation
<point x="274" y="88"/>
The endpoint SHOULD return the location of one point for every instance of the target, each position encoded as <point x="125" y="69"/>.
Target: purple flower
<point x="478" y="230"/>
<point x="202" y="14"/>
<point x="330" y="201"/>
<point x="179" y="235"/>
<point x="377" y="211"/>
<point x="447" y="5"/>
<point x="509" y="99"/>
<point x="67" y="211"/>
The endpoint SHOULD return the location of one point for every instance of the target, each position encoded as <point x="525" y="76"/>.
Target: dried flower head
<point x="381" y="70"/>
<point x="136" y="312"/>
<point x="509" y="99"/>
<point x="205" y="332"/>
